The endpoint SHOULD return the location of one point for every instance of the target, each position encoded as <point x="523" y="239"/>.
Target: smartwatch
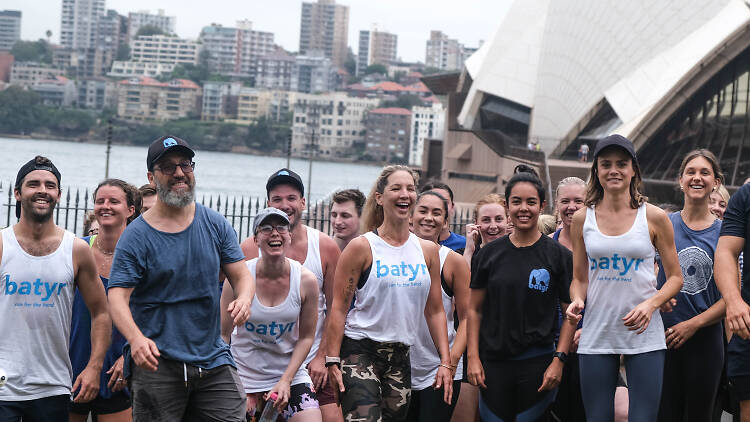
<point x="560" y="355"/>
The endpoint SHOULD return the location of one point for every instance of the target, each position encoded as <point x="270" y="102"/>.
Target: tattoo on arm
<point x="349" y="289"/>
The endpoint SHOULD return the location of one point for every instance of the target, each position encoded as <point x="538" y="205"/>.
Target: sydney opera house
<point x="669" y="75"/>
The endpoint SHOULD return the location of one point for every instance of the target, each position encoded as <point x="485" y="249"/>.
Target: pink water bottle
<point x="269" y="412"/>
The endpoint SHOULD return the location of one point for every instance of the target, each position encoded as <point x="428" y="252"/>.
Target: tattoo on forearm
<point x="349" y="289"/>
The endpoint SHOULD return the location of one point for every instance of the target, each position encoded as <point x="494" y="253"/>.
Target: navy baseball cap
<point x="617" y="141"/>
<point x="163" y="145"/>
<point x="285" y="177"/>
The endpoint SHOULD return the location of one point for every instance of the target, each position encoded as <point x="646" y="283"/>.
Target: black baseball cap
<point x="34" y="164"/>
<point x="618" y="141"/>
<point x="163" y="145"/>
<point x="285" y="177"/>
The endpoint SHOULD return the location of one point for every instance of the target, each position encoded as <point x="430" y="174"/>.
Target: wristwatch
<point x="560" y="355"/>
<point x="333" y="360"/>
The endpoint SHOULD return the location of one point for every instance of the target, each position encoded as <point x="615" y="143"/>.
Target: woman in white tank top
<point x="394" y="278"/>
<point x="427" y="405"/>
<point x="271" y="346"/>
<point x="613" y="274"/>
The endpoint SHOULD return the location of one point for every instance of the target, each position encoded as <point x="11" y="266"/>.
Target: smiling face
<point x="698" y="180"/>
<point x="524" y="206"/>
<point x="717" y="205"/>
<point x="344" y="219"/>
<point x="399" y="196"/>
<point x="289" y="199"/>
<point x="569" y="200"/>
<point x="429" y="217"/>
<point x="38" y="194"/>
<point x="492" y="222"/>
<point x="615" y="169"/>
<point x="111" y="207"/>
<point x="178" y="189"/>
<point x="273" y="243"/>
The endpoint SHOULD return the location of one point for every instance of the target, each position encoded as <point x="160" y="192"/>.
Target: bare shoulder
<point x="308" y="280"/>
<point x="81" y="249"/>
<point x="327" y="245"/>
<point x="249" y="248"/>
<point x="456" y="261"/>
<point x="656" y="215"/>
<point x="429" y="247"/>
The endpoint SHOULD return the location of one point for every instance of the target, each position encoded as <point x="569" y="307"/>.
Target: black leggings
<point x="428" y="406"/>
<point x="691" y="377"/>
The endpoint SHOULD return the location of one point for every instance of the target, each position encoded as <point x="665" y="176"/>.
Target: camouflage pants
<point x="377" y="377"/>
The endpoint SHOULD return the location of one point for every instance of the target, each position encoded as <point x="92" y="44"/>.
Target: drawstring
<point x="200" y="374"/>
<point x="184" y="369"/>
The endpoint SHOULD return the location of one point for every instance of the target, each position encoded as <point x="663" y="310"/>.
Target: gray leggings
<point x="644" y="372"/>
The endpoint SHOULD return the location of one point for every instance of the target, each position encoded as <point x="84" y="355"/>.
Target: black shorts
<point x="741" y="385"/>
<point x="101" y="406"/>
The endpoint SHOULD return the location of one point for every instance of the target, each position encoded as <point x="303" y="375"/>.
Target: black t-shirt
<point x="524" y="286"/>
<point x="737" y="223"/>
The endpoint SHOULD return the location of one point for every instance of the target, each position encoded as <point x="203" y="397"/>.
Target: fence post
<point x="10" y="207"/>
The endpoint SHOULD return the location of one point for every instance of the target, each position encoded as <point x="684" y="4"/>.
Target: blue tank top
<point x="695" y="250"/>
<point x="80" y="341"/>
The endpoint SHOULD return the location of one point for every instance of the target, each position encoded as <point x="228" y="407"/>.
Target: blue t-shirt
<point x="454" y="241"/>
<point x="737" y="223"/>
<point x="175" y="282"/>
<point x="695" y="250"/>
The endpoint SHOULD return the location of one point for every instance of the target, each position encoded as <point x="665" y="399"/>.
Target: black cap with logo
<point x="285" y="177"/>
<point x="163" y="145"/>
<point x="618" y="141"/>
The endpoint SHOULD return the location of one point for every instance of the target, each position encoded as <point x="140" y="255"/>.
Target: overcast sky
<point x="466" y="20"/>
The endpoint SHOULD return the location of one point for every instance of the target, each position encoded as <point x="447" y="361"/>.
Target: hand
<point x="239" y="309"/>
<point x="86" y="385"/>
<point x="678" y="334"/>
<point x="283" y="392"/>
<point x="444" y="380"/>
<point x="336" y="380"/>
<point x="552" y="376"/>
<point x="318" y="372"/>
<point x="738" y="318"/>
<point x="252" y="403"/>
<point x="145" y="353"/>
<point x="668" y="305"/>
<point x="475" y="372"/>
<point x="576" y="340"/>
<point x="639" y="317"/>
<point x="574" y="310"/>
<point x="473" y="235"/>
<point x="116" y="383"/>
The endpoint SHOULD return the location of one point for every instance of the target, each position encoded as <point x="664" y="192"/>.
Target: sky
<point x="469" y="21"/>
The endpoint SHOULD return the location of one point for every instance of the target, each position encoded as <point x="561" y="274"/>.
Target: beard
<point x="27" y="206"/>
<point x="175" y="199"/>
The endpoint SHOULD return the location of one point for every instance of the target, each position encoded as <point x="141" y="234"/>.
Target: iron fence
<point x="239" y="211"/>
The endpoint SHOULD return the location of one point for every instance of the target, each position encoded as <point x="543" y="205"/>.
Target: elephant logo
<point x="539" y="279"/>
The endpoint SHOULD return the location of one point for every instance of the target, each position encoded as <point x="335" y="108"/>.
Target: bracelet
<point x="449" y="367"/>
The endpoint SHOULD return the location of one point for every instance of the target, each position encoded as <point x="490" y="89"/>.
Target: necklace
<point x="107" y="253"/>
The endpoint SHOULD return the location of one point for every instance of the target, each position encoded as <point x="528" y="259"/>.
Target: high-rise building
<point x="10" y="28"/>
<point x="142" y="18"/>
<point x="108" y="30"/>
<point x="426" y="123"/>
<point x="443" y="53"/>
<point x="236" y="51"/>
<point x="313" y="74"/>
<point x="376" y="47"/>
<point x="275" y="70"/>
<point x="163" y="49"/>
<point x="79" y="24"/>
<point x="324" y="27"/>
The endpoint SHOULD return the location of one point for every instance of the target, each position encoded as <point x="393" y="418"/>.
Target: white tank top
<point x="423" y="354"/>
<point x="621" y="275"/>
<point x="36" y="300"/>
<point x="263" y="346"/>
<point x="314" y="264"/>
<point x="390" y="306"/>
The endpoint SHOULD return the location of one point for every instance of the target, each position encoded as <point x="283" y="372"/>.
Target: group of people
<point x="624" y="311"/>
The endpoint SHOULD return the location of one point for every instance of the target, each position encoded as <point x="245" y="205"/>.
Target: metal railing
<point x="239" y="211"/>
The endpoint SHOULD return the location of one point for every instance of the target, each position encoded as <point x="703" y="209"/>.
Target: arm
<point x="458" y="278"/>
<point x="679" y="333"/>
<point x="437" y="322"/>
<point x="329" y="253"/>
<point x="308" y="319"/>
<point x="553" y="374"/>
<point x="473" y="320"/>
<point x="243" y="287"/>
<point x="92" y="291"/>
<point x="663" y="238"/>
<point x="142" y="349"/>
<point x="472" y="234"/>
<point x="726" y="274"/>
<point x="353" y="260"/>
<point x="227" y="322"/>
<point x="580" y="283"/>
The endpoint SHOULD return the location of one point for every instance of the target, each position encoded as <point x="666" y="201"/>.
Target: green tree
<point x="376" y="68"/>
<point x="350" y="64"/>
<point x="149" y="30"/>
<point x="20" y="110"/>
<point x="32" y="51"/>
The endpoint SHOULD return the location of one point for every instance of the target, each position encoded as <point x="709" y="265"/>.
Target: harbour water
<point x="217" y="173"/>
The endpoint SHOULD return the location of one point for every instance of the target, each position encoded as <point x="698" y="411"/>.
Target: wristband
<point x="329" y="364"/>
<point x="560" y="355"/>
<point x="333" y="360"/>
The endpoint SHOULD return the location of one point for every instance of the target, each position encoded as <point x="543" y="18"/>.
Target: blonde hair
<point x="546" y="224"/>
<point x="721" y="190"/>
<point x="372" y="214"/>
<point x="490" y="198"/>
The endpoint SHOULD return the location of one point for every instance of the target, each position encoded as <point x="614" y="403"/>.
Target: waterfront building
<point x="136" y="20"/>
<point x="443" y="53"/>
<point x="427" y="123"/>
<point x="376" y="47"/>
<point x="97" y="93"/>
<point x="219" y="100"/>
<point x="275" y="70"/>
<point x="324" y="27"/>
<point x="26" y="74"/>
<point x="313" y="74"/>
<point x="56" y="92"/>
<point x="79" y="23"/>
<point x="387" y="134"/>
<point x="253" y="103"/>
<point x="10" y="28"/>
<point x="235" y="52"/>
<point x="144" y="98"/>
<point x="164" y="49"/>
<point x="129" y="69"/>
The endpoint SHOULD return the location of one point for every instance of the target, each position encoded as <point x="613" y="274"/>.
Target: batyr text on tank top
<point x="405" y="273"/>
<point x="622" y="266"/>
<point x="269" y="333"/>
<point x="36" y="294"/>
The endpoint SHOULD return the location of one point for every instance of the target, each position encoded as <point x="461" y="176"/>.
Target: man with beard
<point x="318" y="253"/>
<point x="165" y="271"/>
<point x="42" y="265"/>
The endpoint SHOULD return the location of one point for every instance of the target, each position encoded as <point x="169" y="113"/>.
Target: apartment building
<point x="376" y="47"/>
<point x="26" y="74"/>
<point x="324" y="28"/>
<point x="236" y="51"/>
<point x="164" y="49"/>
<point x="387" y="134"/>
<point x="136" y="20"/>
<point x="144" y="98"/>
<point x="427" y="123"/>
<point x="10" y="28"/>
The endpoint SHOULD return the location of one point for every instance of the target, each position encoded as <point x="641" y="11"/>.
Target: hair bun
<point x="523" y="168"/>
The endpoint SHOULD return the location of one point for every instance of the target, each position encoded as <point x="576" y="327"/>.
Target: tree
<point x="32" y="51"/>
<point x="19" y="110"/>
<point x="404" y="101"/>
<point x="376" y="68"/>
<point x="146" y="30"/>
<point x="48" y="33"/>
<point x="351" y="62"/>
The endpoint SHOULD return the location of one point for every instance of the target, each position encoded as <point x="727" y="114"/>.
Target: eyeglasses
<point x="170" y="168"/>
<point x="268" y="229"/>
<point x="93" y="232"/>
